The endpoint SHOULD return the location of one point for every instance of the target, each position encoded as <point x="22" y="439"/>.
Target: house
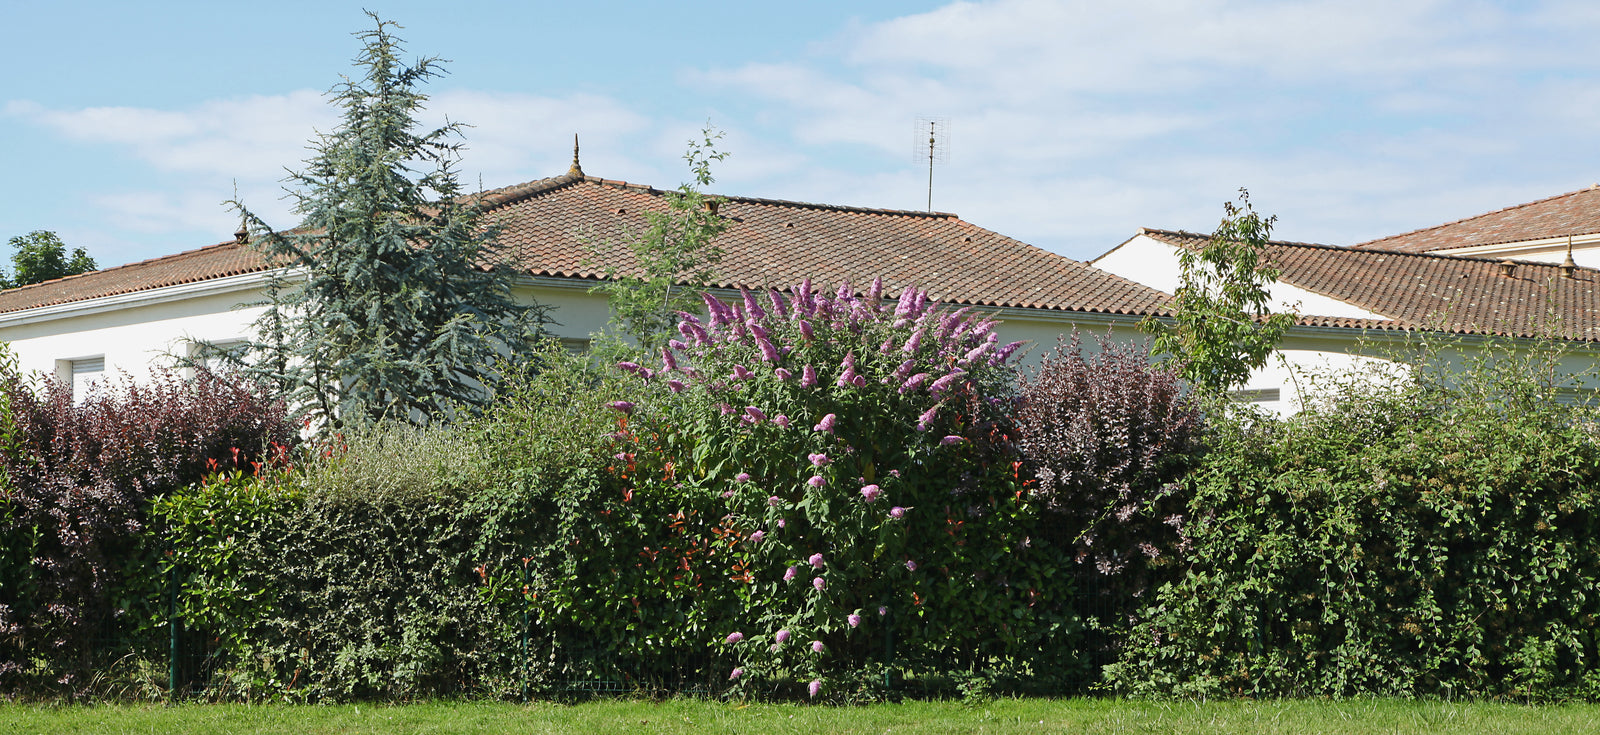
<point x="1360" y="305"/>
<point x="1548" y="231"/>
<point x="132" y="317"/>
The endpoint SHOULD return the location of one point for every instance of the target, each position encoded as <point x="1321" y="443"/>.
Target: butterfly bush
<point x="895" y="446"/>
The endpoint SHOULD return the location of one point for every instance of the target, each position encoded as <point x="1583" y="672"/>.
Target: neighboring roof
<point x="548" y="225"/>
<point x="202" y="264"/>
<point x="1435" y="292"/>
<point x="1573" y="213"/>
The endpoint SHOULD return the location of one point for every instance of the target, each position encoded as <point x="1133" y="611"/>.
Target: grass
<point x="692" y="716"/>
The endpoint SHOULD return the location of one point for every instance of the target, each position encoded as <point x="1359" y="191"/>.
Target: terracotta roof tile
<point x="1435" y="292"/>
<point x="1573" y="213"/>
<point x="547" y="225"/>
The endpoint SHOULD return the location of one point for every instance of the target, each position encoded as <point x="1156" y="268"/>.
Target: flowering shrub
<point x="74" y="504"/>
<point x="822" y="466"/>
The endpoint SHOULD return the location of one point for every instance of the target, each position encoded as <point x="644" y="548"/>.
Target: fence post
<point x="888" y="650"/>
<point x="527" y="605"/>
<point x="172" y="630"/>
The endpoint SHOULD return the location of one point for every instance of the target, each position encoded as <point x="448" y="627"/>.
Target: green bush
<point x="1435" y="537"/>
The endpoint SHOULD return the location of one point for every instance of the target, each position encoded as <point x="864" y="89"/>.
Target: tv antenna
<point x="931" y="141"/>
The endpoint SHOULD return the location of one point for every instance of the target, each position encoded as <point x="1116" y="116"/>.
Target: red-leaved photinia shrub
<point x="1108" y="436"/>
<point x="77" y="492"/>
<point x="805" y="473"/>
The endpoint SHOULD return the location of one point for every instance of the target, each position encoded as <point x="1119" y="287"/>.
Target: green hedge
<point x="1441" y="538"/>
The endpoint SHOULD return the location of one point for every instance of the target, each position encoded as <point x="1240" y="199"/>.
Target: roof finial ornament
<point x="242" y="235"/>
<point x="1569" y="267"/>
<point x="576" y="169"/>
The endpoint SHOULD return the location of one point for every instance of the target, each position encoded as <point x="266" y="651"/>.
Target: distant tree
<point x="402" y="313"/>
<point x="42" y="256"/>
<point x="1223" y="328"/>
<point x="674" y="255"/>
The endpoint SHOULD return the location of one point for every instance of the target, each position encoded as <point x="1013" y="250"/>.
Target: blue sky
<point x="124" y="126"/>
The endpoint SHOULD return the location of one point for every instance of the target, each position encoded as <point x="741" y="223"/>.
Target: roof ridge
<point x="505" y="195"/>
<point x="1363" y="245"/>
<point x="618" y="183"/>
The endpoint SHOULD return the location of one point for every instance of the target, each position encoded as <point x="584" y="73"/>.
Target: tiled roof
<point x="547" y="224"/>
<point x="1435" y="292"/>
<point x="203" y="264"/>
<point x="1573" y="213"/>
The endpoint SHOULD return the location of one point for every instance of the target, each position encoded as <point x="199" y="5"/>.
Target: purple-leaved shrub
<point x="1108" y="437"/>
<point x="79" y="483"/>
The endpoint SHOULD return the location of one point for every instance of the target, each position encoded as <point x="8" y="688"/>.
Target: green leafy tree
<point x="398" y="309"/>
<point x="674" y="254"/>
<point x="1222" y="327"/>
<point x="42" y="256"/>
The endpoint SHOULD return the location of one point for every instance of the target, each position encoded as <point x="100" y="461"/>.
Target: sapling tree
<point x="405" y="308"/>
<point x="42" y="256"/>
<point x="674" y="254"/>
<point x="1222" y="327"/>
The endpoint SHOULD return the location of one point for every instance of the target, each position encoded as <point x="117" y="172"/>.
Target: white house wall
<point x="1151" y="262"/>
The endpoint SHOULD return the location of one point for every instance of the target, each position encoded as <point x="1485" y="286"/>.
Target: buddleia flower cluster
<point x="866" y="461"/>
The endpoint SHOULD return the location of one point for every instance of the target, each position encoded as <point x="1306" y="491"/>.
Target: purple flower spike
<point x="757" y="536"/>
<point x="847" y="378"/>
<point x="783" y="374"/>
<point x="912" y="383"/>
<point x="756" y="329"/>
<point x="774" y="501"/>
<point x="826" y="424"/>
<point x="788" y="576"/>
<point x="927" y="418"/>
<point x="819" y="583"/>
<point x="778" y="306"/>
<point x="781" y="420"/>
<point x="735" y="637"/>
<point x="853" y="619"/>
<point x="751" y="307"/>
<point x="742" y="477"/>
<point x="870" y="493"/>
<point x="782" y="636"/>
<point x="756" y="415"/>
<point x="897" y="512"/>
<point x="944" y="383"/>
<point x="818" y="647"/>
<point x="1005" y="352"/>
<point x="875" y="293"/>
<point x="623" y="406"/>
<point x="815" y="688"/>
<point x="818" y="460"/>
<point x="883" y="610"/>
<point x="628" y="367"/>
<point x="782" y="522"/>
<point x="669" y="361"/>
<point x="817" y="481"/>
<point x="769" y="354"/>
<point x="678" y="344"/>
<point x="808" y="377"/>
<point x="806" y="331"/>
<point x="817" y="561"/>
<point x="911" y="565"/>
<point x="736" y="674"/>
<point x="859" y="381"/>
<point x="676" y="385"/>
<point x="913" y="343"/>
<point x="947" y="441"/>
<point x="845" y="291"/>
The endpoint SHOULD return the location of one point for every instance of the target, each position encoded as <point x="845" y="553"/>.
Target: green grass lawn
<point x="686" y="716"/>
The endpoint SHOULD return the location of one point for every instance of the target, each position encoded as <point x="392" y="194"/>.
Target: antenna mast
<point x="937" y="148"/>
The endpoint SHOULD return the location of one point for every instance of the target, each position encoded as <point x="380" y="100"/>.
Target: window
<point x="81" y="374"/>
<point x="219" y="357"/>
